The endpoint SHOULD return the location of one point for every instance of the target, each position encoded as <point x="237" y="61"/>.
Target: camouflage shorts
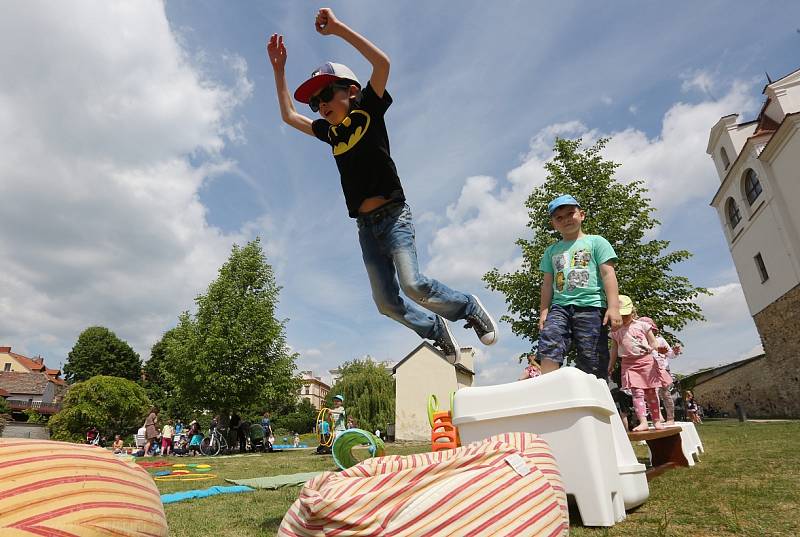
<point x="579" y="326"/>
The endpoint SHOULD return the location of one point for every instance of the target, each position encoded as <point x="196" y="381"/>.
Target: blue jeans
<point x="388" y="247"/>
<point x="582" y="326"/>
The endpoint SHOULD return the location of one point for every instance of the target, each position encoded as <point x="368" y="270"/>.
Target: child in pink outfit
<point x="633" y="343"/>
<point x="662" y="359"/>
<point x="532" y="370"/>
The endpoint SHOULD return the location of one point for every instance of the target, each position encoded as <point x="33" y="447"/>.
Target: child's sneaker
<point x="483" y="324"/>
<point x="447" y="343"/>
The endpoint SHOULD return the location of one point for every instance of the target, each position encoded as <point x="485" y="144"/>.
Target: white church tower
<point x="758" y="202"/>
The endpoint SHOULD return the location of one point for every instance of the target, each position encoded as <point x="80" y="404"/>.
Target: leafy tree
<point x="163" y="393"/>
<point x="34" y="416"/>
<point x="114" y="405"/>
<point x="368" y="390"/>
<point x="300" y="421"/>
<point x="619" y="212"/>
<point x="232" y="354"/>
<point x="5" y="412"/>
<point x="99" y="351"/>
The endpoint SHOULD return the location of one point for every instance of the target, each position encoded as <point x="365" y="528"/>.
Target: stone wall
<point x="770" y="387"/>
<point x="16" y="429"/>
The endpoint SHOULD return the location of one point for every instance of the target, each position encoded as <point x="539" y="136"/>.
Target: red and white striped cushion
<point x="471" y="490"/>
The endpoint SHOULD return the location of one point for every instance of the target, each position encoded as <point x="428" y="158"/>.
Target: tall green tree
<point x="99" y="351"/>
<point x="620" y="212"/>
<point x="232" y="354"/>
<point x="301" y="420"/>
<point x="369" y="394"/>
<point x="114" y="405"/>
<point x="160" y="390"/>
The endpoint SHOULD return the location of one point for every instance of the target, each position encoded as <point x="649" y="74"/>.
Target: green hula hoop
<point x="343" y="447"/>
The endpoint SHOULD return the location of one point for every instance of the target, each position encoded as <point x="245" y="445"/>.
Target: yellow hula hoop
<point x="186" y="477"/>
<point x="320" y="419"/>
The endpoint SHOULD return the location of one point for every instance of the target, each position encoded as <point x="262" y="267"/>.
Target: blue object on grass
<point x="203" y="493"/>
<point x="288" y="446"/>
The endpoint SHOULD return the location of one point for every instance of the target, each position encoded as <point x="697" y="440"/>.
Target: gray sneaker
<point x="483" y="324"/>
<point x="447" y="343"/>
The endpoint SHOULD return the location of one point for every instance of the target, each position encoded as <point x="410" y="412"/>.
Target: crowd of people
<point x="173" y="437"/>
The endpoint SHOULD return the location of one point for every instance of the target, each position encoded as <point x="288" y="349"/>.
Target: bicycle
<point x="214" y="444"/>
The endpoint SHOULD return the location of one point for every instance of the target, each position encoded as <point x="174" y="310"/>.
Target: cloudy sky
<point x="140" y="140"/>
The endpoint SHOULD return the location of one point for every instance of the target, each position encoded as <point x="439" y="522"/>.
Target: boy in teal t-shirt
<point x="580" y="297"/>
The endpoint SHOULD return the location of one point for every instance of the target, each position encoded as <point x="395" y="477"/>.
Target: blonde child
<point x="662" y="359"/>
<point x="533" y="369"/>
<point x="634" y="342"/>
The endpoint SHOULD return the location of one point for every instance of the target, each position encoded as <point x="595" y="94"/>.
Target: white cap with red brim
<point x="324" y="75"/>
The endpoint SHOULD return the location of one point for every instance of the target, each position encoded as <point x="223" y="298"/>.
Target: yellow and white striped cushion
<point x="71" y="490"/>
<point x="471" y="490"/>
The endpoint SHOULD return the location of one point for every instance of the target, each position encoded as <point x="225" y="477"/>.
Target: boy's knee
<point x="417" y="290"/>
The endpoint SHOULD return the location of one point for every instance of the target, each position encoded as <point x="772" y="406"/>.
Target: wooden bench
<point x="665" y="449"/>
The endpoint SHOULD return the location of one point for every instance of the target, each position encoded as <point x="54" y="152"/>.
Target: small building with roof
<point x="425" y="371"/>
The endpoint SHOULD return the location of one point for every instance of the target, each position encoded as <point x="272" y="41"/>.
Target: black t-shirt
<point x="361" y="149"/>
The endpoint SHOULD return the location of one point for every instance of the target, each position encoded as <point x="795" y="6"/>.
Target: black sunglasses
<point x="325" y="95"/>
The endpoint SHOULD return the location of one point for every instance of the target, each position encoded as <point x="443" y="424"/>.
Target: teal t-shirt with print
<point x="575" y="266"/>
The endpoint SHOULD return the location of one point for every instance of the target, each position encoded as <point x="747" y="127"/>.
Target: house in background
<point x="14" y="362"/>
<point x="313" y="389"/>
<point x="32" y="390"/>
<point x="758" y="164"/>
<point x="426" y="371"/>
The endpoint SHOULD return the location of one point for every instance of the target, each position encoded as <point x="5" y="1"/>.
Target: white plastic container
<point x="690" y="439"/>
<point x="574" y="413"/>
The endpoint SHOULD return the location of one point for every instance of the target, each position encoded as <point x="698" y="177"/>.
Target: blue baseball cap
<point x="560" y="201"/>
<point x="339" y="397"/>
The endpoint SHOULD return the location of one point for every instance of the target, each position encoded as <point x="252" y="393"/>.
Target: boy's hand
<point x="542" y="319"/>
<point x="276" y="52"/>
<point x="326" y="22"/>
<point x="612" y="318"/>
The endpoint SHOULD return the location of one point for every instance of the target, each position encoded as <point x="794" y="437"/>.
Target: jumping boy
<point x="580" y="297"/>
<point x="352" y="123"/>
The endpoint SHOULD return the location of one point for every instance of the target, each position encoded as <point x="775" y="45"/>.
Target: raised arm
<point x="327" y="24"/>
<point x="276" y="51"/>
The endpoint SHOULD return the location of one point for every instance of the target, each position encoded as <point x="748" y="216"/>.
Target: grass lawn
<point x="747" y="484"/>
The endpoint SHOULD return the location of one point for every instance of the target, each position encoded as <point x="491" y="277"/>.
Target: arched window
<point x="752" y="186"/>
<point x="734" y="217"/>
<point x="726" y="162"/>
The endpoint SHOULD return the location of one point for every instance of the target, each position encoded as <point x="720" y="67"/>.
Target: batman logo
<point x="347" y="134"/>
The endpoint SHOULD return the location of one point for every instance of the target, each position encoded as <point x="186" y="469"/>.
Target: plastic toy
<point x="444" y="434"/>
<point x="351" y="438"/>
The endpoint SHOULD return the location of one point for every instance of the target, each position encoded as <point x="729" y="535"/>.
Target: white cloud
<point x="726" y="304"/>
<point x="700" y="80"/>
<point x="108" y="132"/>
<point x="489" y="215"/>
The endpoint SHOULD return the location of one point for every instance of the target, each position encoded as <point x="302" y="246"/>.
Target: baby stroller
<point x="258" y="440"/>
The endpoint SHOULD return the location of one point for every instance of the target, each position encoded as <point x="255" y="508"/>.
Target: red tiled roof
<point x="4" y="393"/>
<point x="33" y="364"/>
